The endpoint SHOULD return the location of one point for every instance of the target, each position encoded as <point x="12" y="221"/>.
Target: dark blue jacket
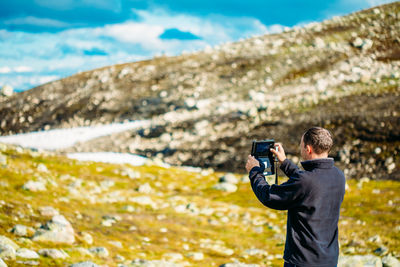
<point x="312" y="198"/>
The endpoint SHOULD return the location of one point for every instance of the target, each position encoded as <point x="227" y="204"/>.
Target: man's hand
<point x="251" y="163"/>
<point x="280" y="154"/>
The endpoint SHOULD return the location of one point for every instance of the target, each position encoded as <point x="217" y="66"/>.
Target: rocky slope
<point x="206" y="107"/>
<point x="60" y="212"/>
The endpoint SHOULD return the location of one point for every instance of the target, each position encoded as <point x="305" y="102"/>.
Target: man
<point x="312" y="198"/>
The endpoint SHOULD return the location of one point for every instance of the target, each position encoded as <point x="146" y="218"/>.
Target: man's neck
<point x="318" y="156"/>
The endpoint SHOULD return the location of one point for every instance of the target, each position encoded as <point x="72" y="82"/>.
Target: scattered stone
<point x="355" y="261"/>
<point x="34" y="186"/>
<point x="7" y="252"/>
<point x="175" y="257"/>
<point x="145" y="189"/>
<point x="196" y="256"/>
<point x="87" y="238"/>
<point x="116" y="244"/>
<point x="226" y="187"/>
<point x="101" y="252"/>
<point x="229" y="178"/>
<point x="84" y="264"/>
<point x="6" y="241"/>
<point x="375" y="239"/>
<point x="255" y="252"/>
<point x="153" y="263"/>
<point x="142" y="200"/>
<point x="128" y="208"/>
<point x="7" y="91"/>
<point x="53" y="253"/>
<point x="26" y="253"/>
<point x="22" y="230"/>
<point x="130" y="173"/>
<point x="42" y="168"/>
<point x="381" y="251"/>
<point x="238" y="264"/>
<point x="33" y="263"/>
<point x="390" y="261"/>
<point x="48" y="211"/>
<point x="57" y="230"/>
<point x="3" y="160"/>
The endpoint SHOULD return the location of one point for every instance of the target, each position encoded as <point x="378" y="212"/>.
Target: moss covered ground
<point x="185" y="214"/>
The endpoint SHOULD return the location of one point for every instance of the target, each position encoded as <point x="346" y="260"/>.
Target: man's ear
<point x="309" y="149"/>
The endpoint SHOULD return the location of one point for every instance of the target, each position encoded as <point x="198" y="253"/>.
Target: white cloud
<point x="22" y="69"/>
<point x="5" y="69"/>
<point x="132" y="32"/>
<point x="29" y="20"/>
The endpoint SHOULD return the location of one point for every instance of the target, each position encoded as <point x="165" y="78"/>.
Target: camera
<point x="261" y="151"/>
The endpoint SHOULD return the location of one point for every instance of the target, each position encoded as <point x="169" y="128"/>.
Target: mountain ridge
<point x="207" y="106"/>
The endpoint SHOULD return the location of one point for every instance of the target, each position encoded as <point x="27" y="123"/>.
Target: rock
<point x="22" y="230"/>
<point x="229" y="178"/>
<point x="359" y="261"/>
<point x="153" y="263"/>
<point x="87" y="238"/>
<point x="255" y="252"/>
<point x="390" y="261"/>
<point x="196" y="256"/>
<point x="130" y="173"/>
<point x="26" y="253"/>
<point x="319" y="43"/>
<point x="175" y="257"/>
<point x="53" y="253"/>
<point x="7" y="90"/>
<point x="226" y="187"/>
<point x="142" y="200"/>
<point x="42" y="168"/>
<point x="34" y="186"/>
<point x="7" y="252"/>
<point x="3" y="160"/>
<point x="145" y="188"/>
<point x="84" y="264"/>
<point x="57" y="230"/>
<point x="381" y="251"/>
<point x="116" y="244"/>
<point x="2" y="263"/>
<point x="48" y="211"/>
<point x="33" y="263"/>
<point x="101" y="252"/>
<point x="239" y="264"/>
<point x="6" y="241"/>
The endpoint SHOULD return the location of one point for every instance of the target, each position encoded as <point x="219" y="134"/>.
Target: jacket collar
<point x="324" y="163"/>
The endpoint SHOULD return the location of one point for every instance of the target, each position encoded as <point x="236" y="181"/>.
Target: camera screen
<point x="262" y="148"/>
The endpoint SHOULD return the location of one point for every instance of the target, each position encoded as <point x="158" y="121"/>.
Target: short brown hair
<point x="319" y="139"/>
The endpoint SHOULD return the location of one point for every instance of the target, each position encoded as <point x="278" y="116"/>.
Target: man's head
<point x="316" y="142"/>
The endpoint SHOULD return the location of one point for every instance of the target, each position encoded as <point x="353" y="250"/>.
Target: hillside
<point x="206" y="107"/>
<point x="57" y="212"/>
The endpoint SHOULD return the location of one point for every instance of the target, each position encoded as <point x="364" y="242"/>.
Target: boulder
<point x="26" y="253"/>
<point x="226" y="187"/>
<point x="359" y="261"/>
<point x="57" y="230"/>
<point x="53" y="253"/>
<point x="34" y="186"/>
<point x="390" y="261"/>
<point x="84" y="264"/>
<point x="7" y="91"/>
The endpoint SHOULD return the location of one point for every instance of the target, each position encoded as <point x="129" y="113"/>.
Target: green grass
<point x="239" y="221"/>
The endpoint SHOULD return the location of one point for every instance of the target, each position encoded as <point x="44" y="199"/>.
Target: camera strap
<point x="276" y="170"/>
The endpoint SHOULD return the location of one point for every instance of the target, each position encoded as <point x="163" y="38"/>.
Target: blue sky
<point x="44" y="40"/>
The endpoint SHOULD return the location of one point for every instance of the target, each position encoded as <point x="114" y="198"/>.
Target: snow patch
<point x="64" y="138"/>
<point x="109" y="157"/>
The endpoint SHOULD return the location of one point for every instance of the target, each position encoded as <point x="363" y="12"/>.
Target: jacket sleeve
<point x="280" y="197"/>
